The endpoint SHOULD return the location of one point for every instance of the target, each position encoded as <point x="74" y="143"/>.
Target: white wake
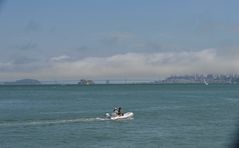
<point x="51" y="122"/>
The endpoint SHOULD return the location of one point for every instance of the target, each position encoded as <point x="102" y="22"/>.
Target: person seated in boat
<point x="115" y="110"/>
<point x="120" y="113"/>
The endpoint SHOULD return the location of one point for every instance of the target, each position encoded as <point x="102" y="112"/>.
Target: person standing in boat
<point x="120" y="113"/>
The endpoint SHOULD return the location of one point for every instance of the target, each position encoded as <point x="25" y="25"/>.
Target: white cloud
<point x="138" y="65"/>
<point x="60" y="58"/>
<point x="118" y="37"/>
<point x="144" y="65"/>
<point x="5" y="65"/>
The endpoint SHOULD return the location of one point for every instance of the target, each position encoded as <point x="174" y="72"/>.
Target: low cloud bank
<point x="132" y="66"/>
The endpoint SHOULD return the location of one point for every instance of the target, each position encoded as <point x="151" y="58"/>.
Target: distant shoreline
<point x="183" y="79"/>
<point x="117" y="84"/>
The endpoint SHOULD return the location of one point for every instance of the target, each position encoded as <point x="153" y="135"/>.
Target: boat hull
<point x="127" y="115"/>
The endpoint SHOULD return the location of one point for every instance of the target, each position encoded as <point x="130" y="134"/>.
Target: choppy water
<point x="166" y="116"/>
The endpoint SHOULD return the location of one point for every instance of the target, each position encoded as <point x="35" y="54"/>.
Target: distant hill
<point x="24" y="82"/>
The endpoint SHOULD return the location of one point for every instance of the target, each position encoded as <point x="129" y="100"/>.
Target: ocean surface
<point x="166" y="116"/>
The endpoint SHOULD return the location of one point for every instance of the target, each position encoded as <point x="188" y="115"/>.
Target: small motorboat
<point x="114" y="116"/>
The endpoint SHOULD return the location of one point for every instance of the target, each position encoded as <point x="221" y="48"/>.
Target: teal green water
<point x="166" y="116"/>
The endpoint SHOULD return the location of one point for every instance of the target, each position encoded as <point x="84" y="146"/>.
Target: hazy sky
<point x="117" y="39"/>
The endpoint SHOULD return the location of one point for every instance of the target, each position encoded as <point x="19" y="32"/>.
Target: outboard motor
<point x="107" y="115"/>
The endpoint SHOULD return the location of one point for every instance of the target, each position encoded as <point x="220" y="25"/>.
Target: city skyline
<point x="70" y="40"/>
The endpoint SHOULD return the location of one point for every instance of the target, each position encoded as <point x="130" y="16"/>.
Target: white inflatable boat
<point x="114" y="116"/>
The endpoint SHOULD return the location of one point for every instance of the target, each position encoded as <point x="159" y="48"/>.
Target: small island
<point x="86" y="82"/>
<point x="24" y="82"/>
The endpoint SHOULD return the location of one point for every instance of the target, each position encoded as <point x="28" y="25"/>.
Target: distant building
<point x="86" y="82"/>
<point x="210" y="78"/>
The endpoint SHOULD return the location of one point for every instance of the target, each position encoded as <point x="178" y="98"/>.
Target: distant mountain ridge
<point x="24" y="82"/>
